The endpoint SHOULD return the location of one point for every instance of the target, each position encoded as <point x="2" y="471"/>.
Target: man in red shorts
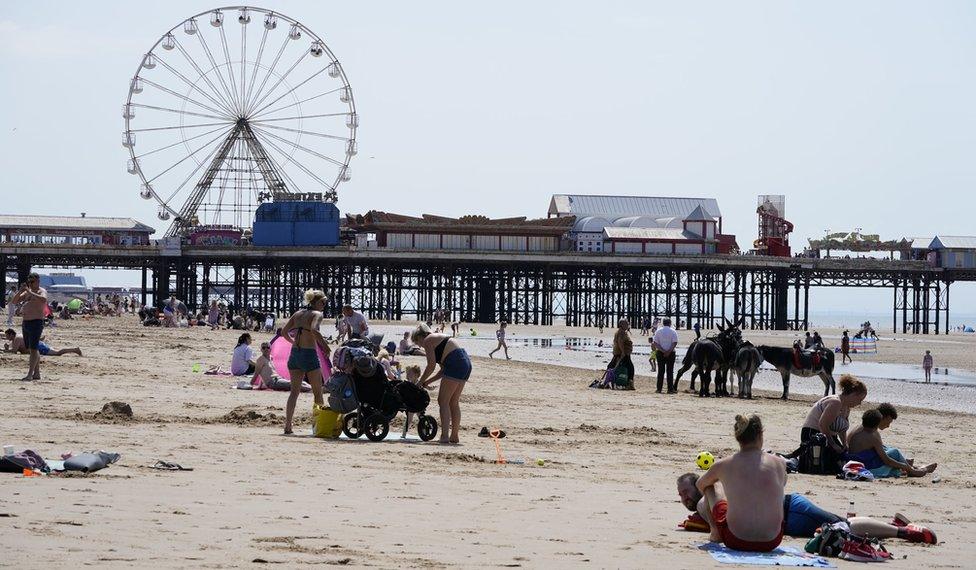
<point x="744" y="493"/>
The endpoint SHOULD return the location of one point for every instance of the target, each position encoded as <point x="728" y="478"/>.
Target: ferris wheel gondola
<point x="223" y="116"/>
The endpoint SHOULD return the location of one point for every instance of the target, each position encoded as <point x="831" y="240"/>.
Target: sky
<point x="860" y="113"/>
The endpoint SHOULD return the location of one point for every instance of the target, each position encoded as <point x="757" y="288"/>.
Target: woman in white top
<point x="243" y="360"/>
<point x="830" y="415"/>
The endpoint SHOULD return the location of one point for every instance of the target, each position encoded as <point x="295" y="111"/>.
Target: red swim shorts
<point x="719" y="512"/>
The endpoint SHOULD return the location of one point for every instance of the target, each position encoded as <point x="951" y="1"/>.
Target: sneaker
<point x="917" y="533"/>
<point x="862" y="551"/>
<point x="900" y="520"/>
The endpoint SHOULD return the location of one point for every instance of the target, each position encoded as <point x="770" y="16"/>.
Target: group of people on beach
<point x="32" y="303"/>
<point x="447" y="362"/>
<point x="742" y="499"/>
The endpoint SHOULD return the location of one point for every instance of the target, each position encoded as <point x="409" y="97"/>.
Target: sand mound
<point x="115" y="410"/>
<point x="248" y="416"/>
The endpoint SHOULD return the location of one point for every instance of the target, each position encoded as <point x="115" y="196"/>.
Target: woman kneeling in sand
<point x="454" y="373"/>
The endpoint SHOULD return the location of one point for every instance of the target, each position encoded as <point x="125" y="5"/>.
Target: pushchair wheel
<point x="351" y="427"/>
<point x="427" y="428"/>
<point x="376" y="427"/>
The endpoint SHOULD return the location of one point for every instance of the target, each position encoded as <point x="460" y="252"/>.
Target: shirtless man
<point x="34" y="299"/>
<point x="744" y="493"/>
<point x="18" y="346"/>
<point x="803" y="518"/>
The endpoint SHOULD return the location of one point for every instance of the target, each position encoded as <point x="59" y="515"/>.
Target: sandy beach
<point x="605" y="496"/>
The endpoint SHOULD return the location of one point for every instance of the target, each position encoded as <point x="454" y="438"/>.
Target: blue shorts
<point x="32" y="330"/>
<point x="457" y="365"/>
<point x="304" y="359"/>
<point x="803" y="518"/>
<point x="43" y="349"/>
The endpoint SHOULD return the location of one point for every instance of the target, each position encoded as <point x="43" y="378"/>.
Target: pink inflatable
<point x="281" y="348"/>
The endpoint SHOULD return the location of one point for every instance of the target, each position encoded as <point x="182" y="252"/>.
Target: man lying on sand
<point x="18" y="346"/>
<point x="865" y="445"/>
<point x="801" y="518"/>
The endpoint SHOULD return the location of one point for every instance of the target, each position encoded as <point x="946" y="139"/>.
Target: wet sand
<point x="604" y="498"/>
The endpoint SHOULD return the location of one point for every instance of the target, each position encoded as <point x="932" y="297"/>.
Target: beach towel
<point x="782" y="556"/>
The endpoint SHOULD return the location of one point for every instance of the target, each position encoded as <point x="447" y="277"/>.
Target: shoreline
<point x="936" y="396"/>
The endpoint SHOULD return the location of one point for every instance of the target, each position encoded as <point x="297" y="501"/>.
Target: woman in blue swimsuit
<point x="454" y="373"/>
<point x="302" y="331"/>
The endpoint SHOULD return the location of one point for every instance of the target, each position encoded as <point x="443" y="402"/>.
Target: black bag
<point x="816" y="457"/>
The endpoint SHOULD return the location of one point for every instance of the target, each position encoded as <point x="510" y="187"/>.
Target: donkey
<point x="745" y="365"/>
<point x="804" y="364"/>
<point x="706" y="356"/>
<point x="710" y="354"/>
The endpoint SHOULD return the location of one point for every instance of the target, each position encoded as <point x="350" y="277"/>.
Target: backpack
<point x="342" y="393"/>
<point x="837" y="541"/>
<point x="816" y="457"/>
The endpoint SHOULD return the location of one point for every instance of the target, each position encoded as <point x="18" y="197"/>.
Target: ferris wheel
<point x="233" y="107"/>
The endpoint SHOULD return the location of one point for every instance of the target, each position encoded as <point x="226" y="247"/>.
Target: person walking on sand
<point x="454" y="374"/>
<point x="845" y="349"/>
<point x="500" y="335"/>
<point x="927" y="366"/>
<point x="303" y="361"/>
<point x="664" y="342"/>
<point x="34" y="299"/>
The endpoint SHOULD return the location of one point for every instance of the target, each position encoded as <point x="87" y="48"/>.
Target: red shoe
<point x="917" y="533"/>
<point x="900" y="520"/>
<point x="862" y="551"/>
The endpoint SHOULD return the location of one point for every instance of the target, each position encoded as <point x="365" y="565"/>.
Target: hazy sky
<point x="860" y="112"/>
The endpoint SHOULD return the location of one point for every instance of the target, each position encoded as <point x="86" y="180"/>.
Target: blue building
<point x="296" y="223"/>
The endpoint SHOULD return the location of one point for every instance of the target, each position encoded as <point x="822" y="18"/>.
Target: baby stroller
<point x="380" y="400"/>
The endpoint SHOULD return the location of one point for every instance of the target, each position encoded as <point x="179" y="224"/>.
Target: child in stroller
<point x="381" y="399"/>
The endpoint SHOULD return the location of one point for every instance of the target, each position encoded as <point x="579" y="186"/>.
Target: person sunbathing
<point x="865" y="445"/>
<point x="265" y="377"/>
<point x="744" y="493"/>
<point x="803" y="518"/>
<point x="18" y="346"/>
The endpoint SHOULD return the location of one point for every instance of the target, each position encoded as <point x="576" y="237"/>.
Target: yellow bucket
<point x="325" y="422"/>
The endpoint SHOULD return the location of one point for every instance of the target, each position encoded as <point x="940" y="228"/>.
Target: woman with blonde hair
<point x="455" y="364"/>
<point x="303" y="362"/>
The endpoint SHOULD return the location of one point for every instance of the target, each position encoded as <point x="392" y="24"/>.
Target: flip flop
<point x="167" y="466"/>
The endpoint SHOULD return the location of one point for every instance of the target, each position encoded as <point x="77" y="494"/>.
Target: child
<point x="413" y="376"/>
<point x="653" y="358"/>
<point x="927" y="366"/>
<point x="500" y="335"/>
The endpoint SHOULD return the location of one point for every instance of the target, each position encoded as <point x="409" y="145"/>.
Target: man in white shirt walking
<point x="665" y="342"/>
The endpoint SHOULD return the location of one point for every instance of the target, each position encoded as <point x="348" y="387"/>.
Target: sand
<point x="604" y="498"/>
